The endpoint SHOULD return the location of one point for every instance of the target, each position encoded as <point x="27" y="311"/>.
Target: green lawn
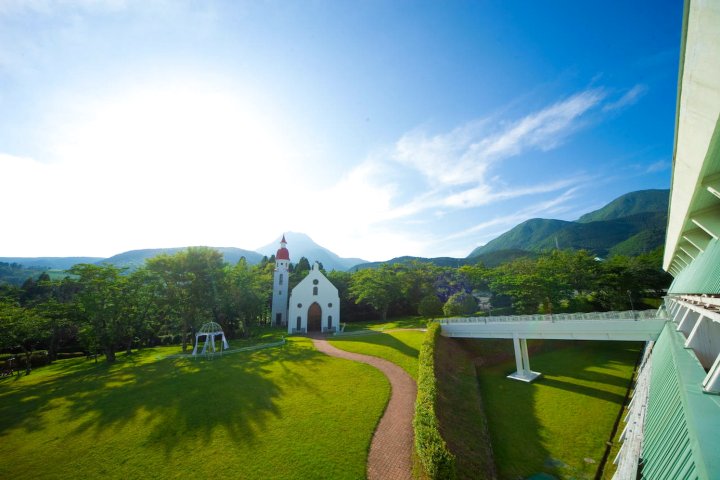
<point x="560" y="423"/>
<point x="400" y="347"/>
<point x="286" y="412"/>
<point x="460" y="411"/>
<point x="400" y="322"/>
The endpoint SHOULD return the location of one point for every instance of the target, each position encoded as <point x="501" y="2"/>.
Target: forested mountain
<point x="523" y="236"/>
<point x="16" y="274"/>
<point x="642" y="201"/>
<point x="136" y="258"/>
<point x="630" y="225"/>
<point x="131" y="259"/>
<point x="49" y="263"/>
<point x="301" y="245"/>
<point x="490" y="259"/>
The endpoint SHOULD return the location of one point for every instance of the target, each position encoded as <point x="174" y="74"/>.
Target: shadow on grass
<point x="460" y="411"/>
<point x="400" y="322"/>
<point x="381" y="339"/>
<point x="519" y="431"/>
<point x="513" y="426"/>
<point x="583" y="390"/>
<point x="176" y="397"/>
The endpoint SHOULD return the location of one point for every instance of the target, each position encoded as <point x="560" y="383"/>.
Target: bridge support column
<point x="522" y="361"/>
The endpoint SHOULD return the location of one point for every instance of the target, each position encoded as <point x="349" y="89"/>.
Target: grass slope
<point x="560" y="423"/>
<point x="460" y="411"/>
<point x="287" y="412"/>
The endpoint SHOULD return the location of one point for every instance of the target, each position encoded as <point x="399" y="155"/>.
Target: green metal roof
<point x="702" y="275"/>
<point x="682" y="422"/>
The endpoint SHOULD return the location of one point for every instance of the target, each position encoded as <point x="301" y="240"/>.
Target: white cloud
<point x="658" y="166"/>
<point x="154" y="167"/>
<point x="171" y="165"/>
<point x="504" y="222"/>
<point x="456" y="165"/>
<point x="375" y="200"/>
<point x="545" y="129"/>
<point x="630" y="97"/>
<point x="483" y="194"/>
<point x="463" y="155"/>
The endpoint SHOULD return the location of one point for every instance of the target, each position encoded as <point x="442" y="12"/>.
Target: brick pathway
<point x="392" y="443"/>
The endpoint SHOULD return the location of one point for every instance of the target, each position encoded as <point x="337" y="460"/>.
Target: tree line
<point x="104" y="309"/>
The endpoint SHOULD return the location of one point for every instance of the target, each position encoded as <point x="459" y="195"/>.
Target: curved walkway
<point x="392" y="443"/>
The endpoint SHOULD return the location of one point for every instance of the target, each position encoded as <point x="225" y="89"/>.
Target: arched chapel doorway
<point x="314" y="318"/>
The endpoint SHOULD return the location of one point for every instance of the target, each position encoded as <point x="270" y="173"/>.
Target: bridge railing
<point x="559" y="317"/>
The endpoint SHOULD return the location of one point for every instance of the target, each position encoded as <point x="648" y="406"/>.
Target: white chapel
<point x="314" y="304"/>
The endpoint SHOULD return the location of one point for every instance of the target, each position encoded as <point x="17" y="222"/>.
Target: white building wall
<point x="281" y="278"/>
<point x="314" y="288"/>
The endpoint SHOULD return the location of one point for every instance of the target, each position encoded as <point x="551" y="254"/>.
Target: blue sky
<point x="379" y="128"/>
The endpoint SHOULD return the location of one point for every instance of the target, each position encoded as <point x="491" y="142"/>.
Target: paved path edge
<point x="390" y="456"/>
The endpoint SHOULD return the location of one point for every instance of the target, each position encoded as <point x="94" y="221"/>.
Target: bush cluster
<point x="436" y="459"/>
<point x="65" y="355"/>
<point x="170" y="339"/>
<point x="38" y="358"/>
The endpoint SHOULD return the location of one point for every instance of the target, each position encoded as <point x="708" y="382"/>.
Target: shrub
<point x="462" y="303"/>
<point x="436" y="459"/>
<point x="169" y="339"/>
<point x="65" y="355"/>
<point x="38" y="358"/>
<point x="430" y="307"/>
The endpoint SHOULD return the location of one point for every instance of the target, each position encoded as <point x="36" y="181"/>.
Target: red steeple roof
<point x="282" y="253"/>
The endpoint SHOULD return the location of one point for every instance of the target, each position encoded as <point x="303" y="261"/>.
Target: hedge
<point x="38" y="358"/>
<point x="66" y="355"/>
<point x="436" y="459"/>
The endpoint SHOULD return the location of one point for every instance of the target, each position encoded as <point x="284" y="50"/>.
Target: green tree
<point x="476" y="275"/>
<point x="21" y="328"/>
<point x="376" y="287"/>
<point x="61" y="322"/>
<point x="101" y="303"/>
<point x="139" y="308"/>
<point x="245" y="294"/>
<point x="190" y="283"/>
<point x="430" y="306"/>
<point x="298" y="272"/>
<point x="626" y="281"/>
<point x="416" y="282"/>
<point x="540" y="284"/>
<point x="461" y="303"/>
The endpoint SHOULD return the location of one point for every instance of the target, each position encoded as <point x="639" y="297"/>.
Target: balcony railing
<point x="560" y="317"/>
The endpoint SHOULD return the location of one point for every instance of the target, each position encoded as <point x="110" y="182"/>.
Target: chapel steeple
<point x="279" y="314"/>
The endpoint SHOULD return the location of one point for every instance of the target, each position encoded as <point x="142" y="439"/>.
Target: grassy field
<point x="560" y="423"/>
<point x="401" y="322"/>
<point x="400" y="347"/>
<point x="285" y="412"/>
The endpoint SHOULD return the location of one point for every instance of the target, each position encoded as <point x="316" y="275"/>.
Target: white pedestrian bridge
<point x="642" y="325"/>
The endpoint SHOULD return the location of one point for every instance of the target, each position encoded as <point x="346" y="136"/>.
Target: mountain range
<point x="299" y="244"/>
<point x="631" y="224"/>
